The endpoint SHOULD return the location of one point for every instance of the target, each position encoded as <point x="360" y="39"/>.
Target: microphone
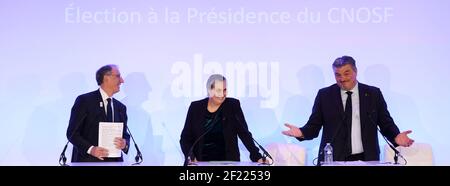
<point x="191" y="150"/>
<point x="139" y="159"/>
<point x="265" y="153"/>
<point x="62" y="157"/>
<point x="396" y="152"/>
<point x="339" y="128"/>
<point x="332" y="138"/>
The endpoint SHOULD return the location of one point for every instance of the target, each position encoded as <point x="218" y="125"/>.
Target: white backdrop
<point x="275" y="54"/>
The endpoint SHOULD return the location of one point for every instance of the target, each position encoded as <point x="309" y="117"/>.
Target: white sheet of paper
<point x="107" y="131"/>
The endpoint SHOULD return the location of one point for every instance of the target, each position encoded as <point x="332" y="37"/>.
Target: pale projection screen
<point x="275" y="55"/>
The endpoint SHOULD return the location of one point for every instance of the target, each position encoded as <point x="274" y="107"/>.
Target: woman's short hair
<point x="212" y="79"/>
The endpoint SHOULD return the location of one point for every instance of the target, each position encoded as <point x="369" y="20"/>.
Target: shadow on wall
<point x="262" y="122"/>
<point x="136" y="89"/>
<point x="45" y="135"/>
<point x="20" y="96"/>
<point x="172" y="117"/>
<point x="298" y="107"/>
<point x="402" y="107"/>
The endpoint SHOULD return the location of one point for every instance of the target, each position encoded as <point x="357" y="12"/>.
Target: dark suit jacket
<point x="84" y="124"/>
<point x="234" y="125"/>
<point x="328" y="112"/>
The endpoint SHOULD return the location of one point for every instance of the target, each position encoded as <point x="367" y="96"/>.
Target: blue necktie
<point x="109" y="114"/>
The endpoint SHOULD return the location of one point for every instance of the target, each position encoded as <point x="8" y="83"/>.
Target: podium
<point x="201" y="163"/>
<point x="226" y="163"/>
<point x="101" y="164"/>
<point x="359" y="163"/>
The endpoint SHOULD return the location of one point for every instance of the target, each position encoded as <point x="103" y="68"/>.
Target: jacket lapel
<point x="117" y="113"/>
<point x="202" y="110"/>
<point x="340" y="107"/>
<point x="364" y="98"/>
<point x="100" y="105"/>
<point x="338" y="101"/>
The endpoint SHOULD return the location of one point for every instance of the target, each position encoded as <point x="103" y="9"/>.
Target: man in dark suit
<point x="213" y="125"/>
<point x="350" y="113"/>
<point x="92" y="108"/>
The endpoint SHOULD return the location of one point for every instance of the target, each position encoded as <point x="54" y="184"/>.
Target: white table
<point x="226" y="163"/>
<point x="360" y="163"/>
<point x="100" y="163"/>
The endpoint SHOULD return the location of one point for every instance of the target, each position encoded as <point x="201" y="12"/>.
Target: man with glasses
<point x="92" y="108"/>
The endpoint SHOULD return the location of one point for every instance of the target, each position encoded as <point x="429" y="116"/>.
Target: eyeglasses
<point x="115" y="75"/>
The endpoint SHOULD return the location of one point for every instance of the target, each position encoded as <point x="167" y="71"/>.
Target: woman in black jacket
<point x="213" y="125"/>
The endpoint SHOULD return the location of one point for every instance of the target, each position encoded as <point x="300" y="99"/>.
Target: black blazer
<point x="84" y="123"/>
<point x="234" y="125"/>
<point x="328" y="112"/>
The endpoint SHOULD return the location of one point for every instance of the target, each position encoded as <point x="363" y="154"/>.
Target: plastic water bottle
<point x="328" y="150"/>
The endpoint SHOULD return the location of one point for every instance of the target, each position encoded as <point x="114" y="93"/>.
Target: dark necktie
<point x="109" y="115"/>
<point x="348" y="118"/>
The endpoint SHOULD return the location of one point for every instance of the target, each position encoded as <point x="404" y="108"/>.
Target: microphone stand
<point x="62" y="158"/>
<point x="265" y="153"/>
<point x="396" y="152"/>
<point x="138" y="159"/>
<point x="187" y="158"/>
<point x="332" y="139"/>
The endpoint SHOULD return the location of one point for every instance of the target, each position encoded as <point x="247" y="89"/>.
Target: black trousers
<point x="355" y="157"/>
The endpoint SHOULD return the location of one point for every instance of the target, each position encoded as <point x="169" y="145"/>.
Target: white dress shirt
<point x="104" y="104"/>
<point x="357" y="146"/>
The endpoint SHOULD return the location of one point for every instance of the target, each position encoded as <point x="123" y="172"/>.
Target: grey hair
<point x="102" y="71"/>
<point x="212" y="79"/>
<point x="344" y="60"/>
